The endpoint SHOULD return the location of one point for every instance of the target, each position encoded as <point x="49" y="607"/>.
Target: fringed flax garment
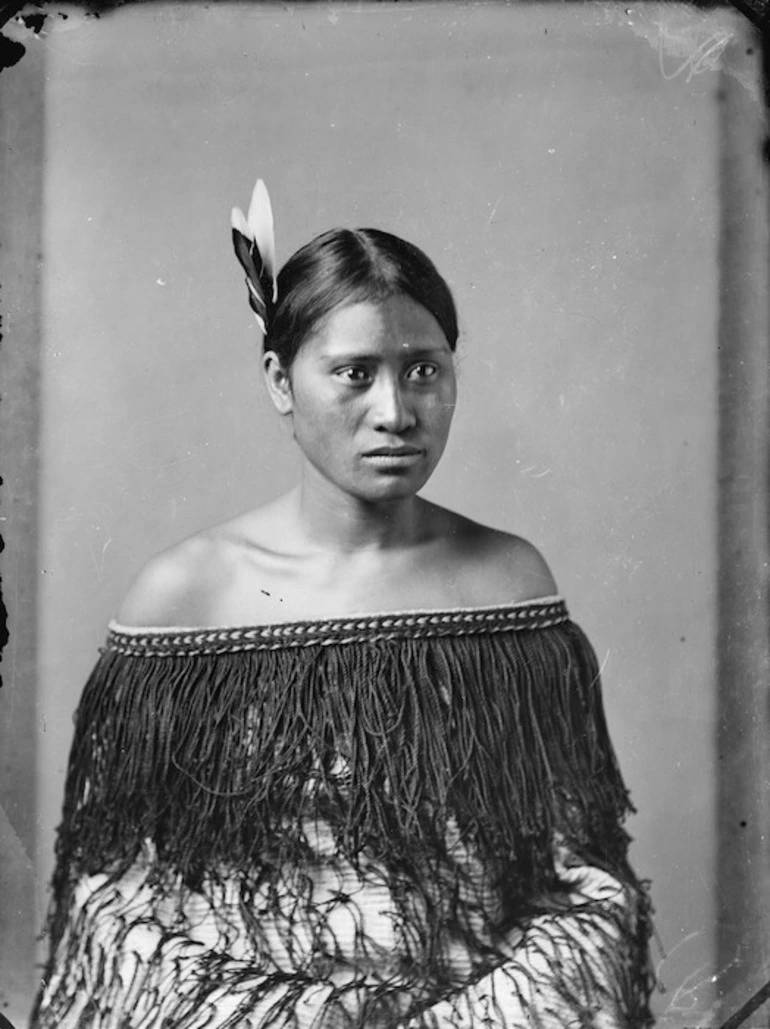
<point x="406" y="820"/>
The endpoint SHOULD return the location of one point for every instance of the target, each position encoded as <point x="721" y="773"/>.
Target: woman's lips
<point x="393" y="457"/>
<point x="404" y="451"/>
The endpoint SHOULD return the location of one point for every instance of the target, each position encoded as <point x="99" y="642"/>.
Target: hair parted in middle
<point x="337" y="268"/>
<point x="348" y="266"/>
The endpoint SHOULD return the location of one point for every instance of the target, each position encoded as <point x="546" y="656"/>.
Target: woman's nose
<point x="392" y="411"/>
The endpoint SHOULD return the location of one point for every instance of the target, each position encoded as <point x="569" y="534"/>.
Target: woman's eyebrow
<point x="344" y="357"/>
<point x="429" y="351"/>
<point x="353" y="356"/>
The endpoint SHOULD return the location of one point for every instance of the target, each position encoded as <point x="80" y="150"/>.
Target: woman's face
<point x="371" y="394"/>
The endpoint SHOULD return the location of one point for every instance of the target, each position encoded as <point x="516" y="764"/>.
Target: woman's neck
<point x="330" y="518"/>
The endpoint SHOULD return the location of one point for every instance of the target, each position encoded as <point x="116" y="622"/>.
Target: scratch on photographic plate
<point x="99" y="561"/>
<point x="688" y="42"/>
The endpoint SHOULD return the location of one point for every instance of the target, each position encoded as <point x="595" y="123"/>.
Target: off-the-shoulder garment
<point x="396" y="820"/>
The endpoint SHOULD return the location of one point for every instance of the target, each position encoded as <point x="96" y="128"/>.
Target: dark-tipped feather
<point x="254" y="246"/>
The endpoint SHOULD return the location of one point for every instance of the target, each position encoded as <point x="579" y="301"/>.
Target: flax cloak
<point x="396" y="820"/>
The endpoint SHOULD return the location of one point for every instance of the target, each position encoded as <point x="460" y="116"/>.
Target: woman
<point x="343" y="760"/>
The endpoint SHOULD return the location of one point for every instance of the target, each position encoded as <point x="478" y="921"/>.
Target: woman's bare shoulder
<point x="193" y="583"/>
<point x="171" y="589"/>
<point x="520" y="564"/>
<point x="508" y="567"/>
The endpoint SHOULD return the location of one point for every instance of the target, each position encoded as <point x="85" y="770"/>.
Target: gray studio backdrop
<point x="561" y="164"/>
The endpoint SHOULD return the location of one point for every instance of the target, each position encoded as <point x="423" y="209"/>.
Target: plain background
<point x="560" y="165"/>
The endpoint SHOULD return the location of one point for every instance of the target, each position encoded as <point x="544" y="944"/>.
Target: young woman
<point x="343" y="760"/>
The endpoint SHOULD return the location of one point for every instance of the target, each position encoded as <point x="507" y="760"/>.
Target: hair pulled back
<point x="349" y="266"/>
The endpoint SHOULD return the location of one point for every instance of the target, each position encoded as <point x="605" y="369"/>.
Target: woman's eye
<point x="423" y="371"/>
<point x="354" y="375"/>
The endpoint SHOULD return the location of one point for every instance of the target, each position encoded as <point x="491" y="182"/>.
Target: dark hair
<point x="349" y="266"/>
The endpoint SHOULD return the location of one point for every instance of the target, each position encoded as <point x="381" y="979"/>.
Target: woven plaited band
<point x="335" y="631"/>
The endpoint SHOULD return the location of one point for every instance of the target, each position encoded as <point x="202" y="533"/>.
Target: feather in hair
<point x="260" y="221"/>
<point x="254" y="243"/>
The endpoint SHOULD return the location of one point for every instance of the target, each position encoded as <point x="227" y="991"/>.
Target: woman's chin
<point x="373" y="485"/>
<point x="388" y="491"/>
<point x="386" y="487"/>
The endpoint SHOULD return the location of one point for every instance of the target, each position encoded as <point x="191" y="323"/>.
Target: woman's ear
<point x="278" y="382"/>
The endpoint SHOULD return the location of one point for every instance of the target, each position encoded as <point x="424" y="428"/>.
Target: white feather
<point x="260" y="221"/>
<point x="238" y="221"/>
